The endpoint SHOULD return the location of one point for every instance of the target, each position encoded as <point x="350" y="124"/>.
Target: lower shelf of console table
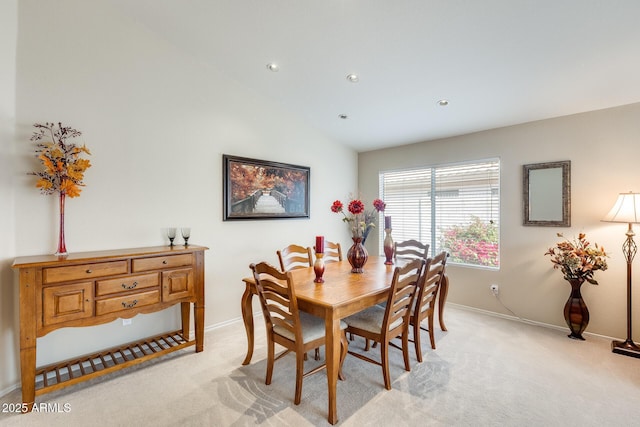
<point x="73" y="371"/>
<point x="93" y="288"/>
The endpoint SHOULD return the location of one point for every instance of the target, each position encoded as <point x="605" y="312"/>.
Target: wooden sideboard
<point x="91" y="288"/>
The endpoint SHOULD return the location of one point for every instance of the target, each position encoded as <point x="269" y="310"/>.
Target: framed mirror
<point x="547" y="194"/>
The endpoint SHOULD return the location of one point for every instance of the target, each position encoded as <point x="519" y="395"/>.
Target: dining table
<point x="341" y="294"/>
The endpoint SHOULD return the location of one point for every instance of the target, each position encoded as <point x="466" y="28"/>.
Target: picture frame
<point x="547" y="194"/>
<point x="260" y="189"/>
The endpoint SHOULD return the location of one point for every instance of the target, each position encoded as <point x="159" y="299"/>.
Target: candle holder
<point x="388" y="247"/>
<point x="318" y="268"/>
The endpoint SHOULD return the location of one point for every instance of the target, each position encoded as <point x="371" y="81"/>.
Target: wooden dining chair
<point x="382" y="325"/>
<point x="295" y="330"/>
<point x="332" y="252"/>
<point x="425" y="300"/>
<point x="295" y="256"/>
<point x="410" y="249"/>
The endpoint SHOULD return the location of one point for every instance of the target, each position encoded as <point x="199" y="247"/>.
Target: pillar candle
<point x="319" y="244"/>
<point x="387" y="222"/>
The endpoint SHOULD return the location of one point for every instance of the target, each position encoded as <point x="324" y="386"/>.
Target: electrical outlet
<point x="127" y="322"/>
<point x="494" y="289"/>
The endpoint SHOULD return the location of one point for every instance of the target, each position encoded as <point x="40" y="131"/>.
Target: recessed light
<point x="443" y="102"/>
<point x="343" y="116"/>
<point x="353" y="78"/>
<point x="272" y="67"/>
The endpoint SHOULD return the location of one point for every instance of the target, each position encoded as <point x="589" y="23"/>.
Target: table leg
<point x="28" y="341"/>
<point x="442" y="299"/>
<point x="332" y="330"/>
<point x="247" y="317"/>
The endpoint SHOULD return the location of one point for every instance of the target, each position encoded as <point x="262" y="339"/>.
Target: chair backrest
<point x="410" y="249"/>
<point x="429" y="283"/>
<point x="278" y="300"/>
<point x="401" y="294"/>
<point x="332" y="252"/>
<point x="295" y="256"/>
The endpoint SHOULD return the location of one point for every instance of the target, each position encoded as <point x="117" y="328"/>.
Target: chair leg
<point x="367" y="345"/>
<point x="299" y="375"/>
<point x="317" y="356"/>
<point x="405" y="348"/>
<point x="384" y="357"/>
<point x="270" y="361"/>
<point x="431" y="335"/>
<point x="416" y="340"/>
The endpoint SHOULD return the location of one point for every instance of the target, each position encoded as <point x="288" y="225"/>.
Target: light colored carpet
<point x="486" y="371"/>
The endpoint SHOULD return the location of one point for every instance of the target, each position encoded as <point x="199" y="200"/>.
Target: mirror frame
<point x="566" y="194"/>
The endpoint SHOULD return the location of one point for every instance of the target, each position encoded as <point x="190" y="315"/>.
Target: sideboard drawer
<point x="126" y="283"/>
<point x="128" y="302"/>
<point x="83" y="272"/>
<point x="156" y="263"/>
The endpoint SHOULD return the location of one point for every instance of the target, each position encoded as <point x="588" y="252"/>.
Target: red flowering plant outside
<point x="577" y="259"/>
<point x="359" y="220"/>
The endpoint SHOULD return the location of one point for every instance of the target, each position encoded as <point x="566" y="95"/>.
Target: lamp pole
<point x="628" y="347"/>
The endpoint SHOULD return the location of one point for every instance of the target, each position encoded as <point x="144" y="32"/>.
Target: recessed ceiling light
<point x="343" y="116"/>
<point x="353" y="78"/>
<point x="443" y="102"/>
<point x="271" y="66"/>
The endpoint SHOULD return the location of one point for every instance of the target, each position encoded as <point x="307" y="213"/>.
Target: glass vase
<point x="357" y="255"/>
<point x="62" y="247"/>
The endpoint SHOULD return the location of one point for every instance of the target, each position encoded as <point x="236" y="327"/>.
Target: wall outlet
<point x="127" y="322"/>
<point x="494" y="289"/>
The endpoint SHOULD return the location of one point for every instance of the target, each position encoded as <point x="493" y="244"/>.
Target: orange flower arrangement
<point x="63" y="167"/>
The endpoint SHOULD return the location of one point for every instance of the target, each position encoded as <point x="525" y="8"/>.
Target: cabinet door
<point x="177" y="284"/>
<point x="64" y="303"/>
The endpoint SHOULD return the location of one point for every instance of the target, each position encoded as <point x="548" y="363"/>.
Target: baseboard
<point x="521" y="320"/>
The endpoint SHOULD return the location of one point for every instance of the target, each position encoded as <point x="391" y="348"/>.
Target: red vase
<point x="62" y="247"/>
<point x="388" y="247"/>
<point x="576" y="313"/>
<point x="357" y="255"/>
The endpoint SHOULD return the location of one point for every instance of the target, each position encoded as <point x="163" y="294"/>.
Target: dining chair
<point x="425" y="300"/>
<point x="295" y="330"/>
<point x="410" y="249"/>
<point x="382" y="325"/>
<point x="295" y="256"/>
<point x="332" y="252"/>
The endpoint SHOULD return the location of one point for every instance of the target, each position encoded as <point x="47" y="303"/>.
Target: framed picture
<point x="547" y="194"/>
<point x="260" y="189"/>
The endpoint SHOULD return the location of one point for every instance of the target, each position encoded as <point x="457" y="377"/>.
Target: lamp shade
<point x="626" y="209"/>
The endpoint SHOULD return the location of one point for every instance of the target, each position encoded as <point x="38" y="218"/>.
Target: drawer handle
<point x="164" y="262"/>
<point x="133" y="285"/>
<point x="125" y="305"/>
<point x="89" y="271"/>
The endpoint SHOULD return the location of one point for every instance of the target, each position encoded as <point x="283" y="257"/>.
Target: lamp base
<point x="627" y="348"/>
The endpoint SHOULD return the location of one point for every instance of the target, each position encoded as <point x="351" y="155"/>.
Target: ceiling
<point x="497" y="62"/>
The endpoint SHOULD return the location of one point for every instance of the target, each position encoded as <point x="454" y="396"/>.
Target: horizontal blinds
<point x="424" y="202"/>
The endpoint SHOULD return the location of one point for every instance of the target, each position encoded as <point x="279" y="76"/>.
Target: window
<point x="451" y="207"/>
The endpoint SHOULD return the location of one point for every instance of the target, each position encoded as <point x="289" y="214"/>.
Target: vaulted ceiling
<point x="496" y="62"/>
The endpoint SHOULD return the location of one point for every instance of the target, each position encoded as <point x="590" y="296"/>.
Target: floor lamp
<point x="627" y="210"/>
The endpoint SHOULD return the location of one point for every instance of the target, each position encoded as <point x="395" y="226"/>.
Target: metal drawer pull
<point x="125" y="305"/>
<point x="89" y="271"/>
<point x="164" y="262"/>
<point x="133" y="285"/>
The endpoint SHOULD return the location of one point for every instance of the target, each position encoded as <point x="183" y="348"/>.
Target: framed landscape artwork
<point x="260" y="189"/>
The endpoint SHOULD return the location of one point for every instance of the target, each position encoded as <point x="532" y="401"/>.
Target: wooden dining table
<point x="343" y="293"/>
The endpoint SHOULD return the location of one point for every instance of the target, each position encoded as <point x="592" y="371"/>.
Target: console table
<point x="91" y="288"/>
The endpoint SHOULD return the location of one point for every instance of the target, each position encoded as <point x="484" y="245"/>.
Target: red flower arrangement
<point x="360" y="221"/>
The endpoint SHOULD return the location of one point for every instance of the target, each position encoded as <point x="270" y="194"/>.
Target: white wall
<point x="604" y="149"/>
<point x="157" y="123"/>
<point x="8" y="294"/>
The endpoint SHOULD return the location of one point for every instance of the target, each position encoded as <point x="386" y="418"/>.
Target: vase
<point x="62" y="247"/>
<point x="388" y="247"/>
<point x="576" y="313"/>
<point x="357" y="255"/>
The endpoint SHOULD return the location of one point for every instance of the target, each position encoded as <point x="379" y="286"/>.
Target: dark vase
<point x="357" y="255"/>
<point x="575" y="311"/>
